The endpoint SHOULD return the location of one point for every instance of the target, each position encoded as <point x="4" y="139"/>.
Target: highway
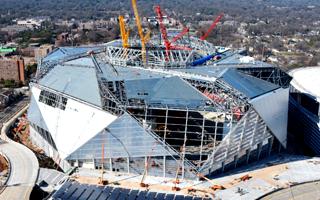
<point x="24" y="166"/>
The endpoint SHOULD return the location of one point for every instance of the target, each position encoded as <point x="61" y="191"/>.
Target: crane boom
<point x="163" y="30"/>
<point x="124" y="32"/>
<point x="213" y="25"/>
<point x="140" y="31"/>
<point x="180" y="35"/>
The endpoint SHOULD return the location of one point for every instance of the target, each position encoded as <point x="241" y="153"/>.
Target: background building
<point x="43" y="51"/>
<point x="12" y="69"/>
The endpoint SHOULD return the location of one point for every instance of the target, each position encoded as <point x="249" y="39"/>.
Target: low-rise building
<point x="32" y="23"/>
<point x="13" y="29"/>
<point x="12" y="69"/>
<point x="43" y="51"/>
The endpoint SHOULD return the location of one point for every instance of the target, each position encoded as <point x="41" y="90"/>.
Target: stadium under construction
<point x="146" y="107"/>
<point x="203" y="118"/>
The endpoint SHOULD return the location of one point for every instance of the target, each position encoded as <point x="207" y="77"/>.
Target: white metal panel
<point x="48" y="149"/>
<point x="273" y="109"/>
<point x="72" y="127"/>
<point x="307" y="80"/>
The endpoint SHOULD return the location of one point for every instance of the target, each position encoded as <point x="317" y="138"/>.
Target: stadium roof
<point x="248" y="85"/>
<point x="74" y="80"/>
<point x="77" y="78"/>
<point x="307" y="80"/>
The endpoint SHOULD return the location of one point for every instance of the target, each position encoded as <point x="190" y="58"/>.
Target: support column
<point x="128" y="165"/>
<point x="270" y="145"/>
<point x="184" y="143"/>
<point x="164" y="166"/>
<point x="279" y="150"/>
<point x="145" y="165"/>
<point x="248" y="152"/>
<point x="110" y="164"/>
<point x="259" y="150"/>
<point x="235" y="161"/>
<point x="214" y="144"/>
<point x="202" y="136"/>
<point x="222" y="166"/>
<point x="145" y="115"/>
<point x="165" y="126"/>
<point x="215" y="134"/>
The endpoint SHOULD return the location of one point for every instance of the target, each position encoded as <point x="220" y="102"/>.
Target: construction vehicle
<point x="124" y="32"/>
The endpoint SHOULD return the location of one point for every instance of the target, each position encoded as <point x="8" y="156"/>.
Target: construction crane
<point x="163" y="30"/>
<point x="124" y="32"/>
<point x="143" y="37"/>
<point x="213" y="25"/>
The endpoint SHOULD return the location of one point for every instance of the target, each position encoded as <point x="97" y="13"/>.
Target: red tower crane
<point x="169" y="44"/>
<point x="213" y="25"/>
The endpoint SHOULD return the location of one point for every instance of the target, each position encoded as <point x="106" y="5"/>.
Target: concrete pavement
<point x="304" y="191"/>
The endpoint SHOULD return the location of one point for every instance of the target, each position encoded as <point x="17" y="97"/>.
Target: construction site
<point x="159" y="106"/>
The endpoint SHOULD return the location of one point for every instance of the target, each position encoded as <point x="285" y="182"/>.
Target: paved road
<point x="24" y="165"/>
<point x="23" y="171"/>
<point x="299" y="192"/>
<point x="11" y="110"/>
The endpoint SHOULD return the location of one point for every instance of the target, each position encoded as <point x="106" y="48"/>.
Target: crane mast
<point x="124" y="32"/>
<point x="140" y="31"/>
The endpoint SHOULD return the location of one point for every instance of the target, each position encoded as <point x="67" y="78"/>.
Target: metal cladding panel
<point x="305" y="124"/>
<point x="34" y="112"/>
<point x="117" y="73"/>
<point x="306" y="80"/>
<point x="273" y="109"/>
<point x="211" y="71"/>
<point x="64" y="52"/>
<point x="72" y="127"/>
<point x="79" y="82"/>
<point x="81" y="62"/>
<point x="123" y="138"/>
<point x="45" y="144"/>
<point x="245" y="135"/>
<point x="167" y="91"/>
<point x="248" y="85"/>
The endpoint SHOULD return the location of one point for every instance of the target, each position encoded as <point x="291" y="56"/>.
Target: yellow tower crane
<point x="144" y="38"/>
<point x="124" y="32"/>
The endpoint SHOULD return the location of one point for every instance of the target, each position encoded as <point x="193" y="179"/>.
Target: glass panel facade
<point x="123" y="138"/>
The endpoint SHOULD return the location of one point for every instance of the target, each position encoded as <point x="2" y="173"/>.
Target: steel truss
<point x="270" y="74"/>
<point x="119" y="56"/>
<point x="250" y="134"/>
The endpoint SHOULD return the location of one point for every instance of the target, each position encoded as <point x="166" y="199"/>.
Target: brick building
<point x="12" y="69"/>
